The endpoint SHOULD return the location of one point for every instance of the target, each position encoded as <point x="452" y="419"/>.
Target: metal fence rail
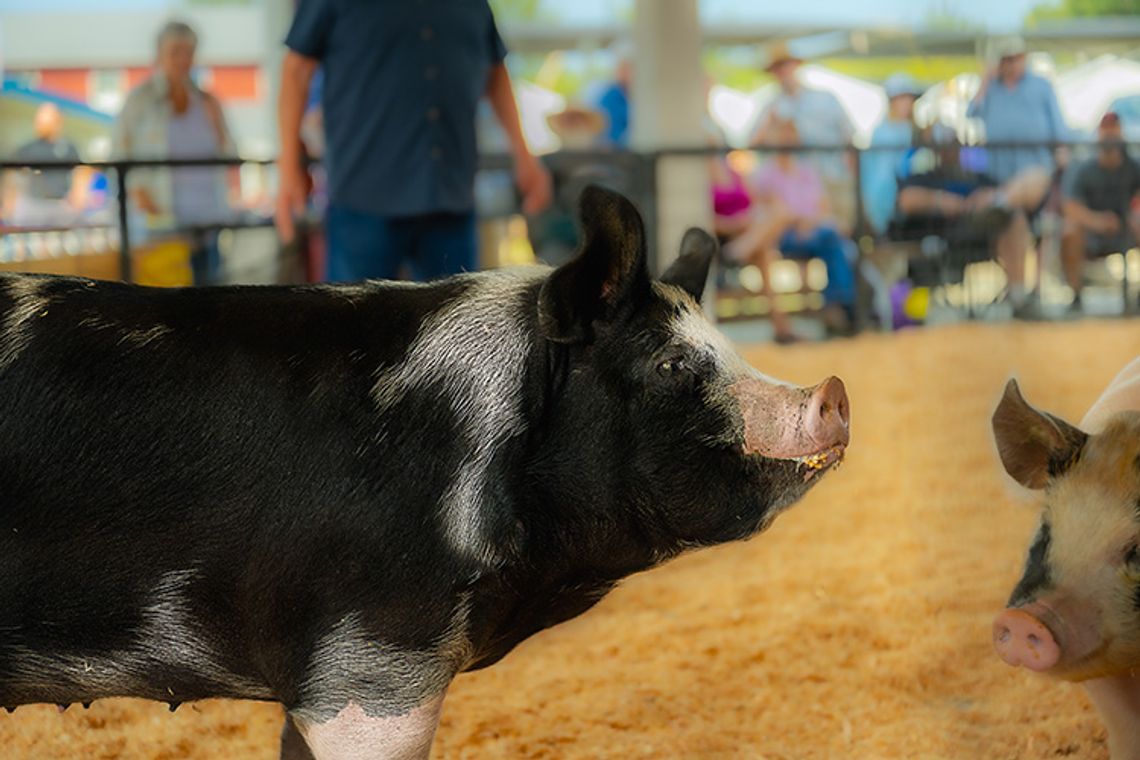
<point x="640" y="167"/>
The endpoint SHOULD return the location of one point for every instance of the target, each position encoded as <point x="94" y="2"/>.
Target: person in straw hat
<point x="819" y="118"/>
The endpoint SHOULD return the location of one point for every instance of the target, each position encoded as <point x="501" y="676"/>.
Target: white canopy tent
<point x="1086" y="92"/>
<point x="737" y="112"/>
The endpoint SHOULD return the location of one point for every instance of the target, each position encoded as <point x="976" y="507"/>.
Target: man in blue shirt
<point x="889" y="143"/>
<point x="1017" y="106"/>
<point x="402" y="81"/>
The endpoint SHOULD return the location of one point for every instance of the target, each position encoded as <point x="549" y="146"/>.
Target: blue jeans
<point x="362" y="246"/>
<point x="206" y="260"/>
<point x="824" y="243"/>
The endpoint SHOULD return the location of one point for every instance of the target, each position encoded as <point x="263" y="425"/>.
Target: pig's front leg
<point x="353" y="734"/>
<point x="1117" y="699"/>
<point x="293" y="745"/>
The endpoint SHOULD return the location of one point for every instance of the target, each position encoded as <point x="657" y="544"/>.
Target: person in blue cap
<point x="881" y="165"/>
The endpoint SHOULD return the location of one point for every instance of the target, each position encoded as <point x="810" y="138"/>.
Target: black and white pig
<point x="1075" y="614"/>
<point x="339" y="497"/>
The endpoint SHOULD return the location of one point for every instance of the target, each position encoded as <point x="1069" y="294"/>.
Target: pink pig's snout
<point x="1021" y="639"/>
<point x="828" y="414"/>
<point x="784" y="422"/>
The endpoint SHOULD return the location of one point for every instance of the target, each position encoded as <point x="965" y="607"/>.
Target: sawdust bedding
<point x="857" y="627"/>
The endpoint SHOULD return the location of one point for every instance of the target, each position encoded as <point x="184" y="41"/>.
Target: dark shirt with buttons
<point x="402" y="81"/>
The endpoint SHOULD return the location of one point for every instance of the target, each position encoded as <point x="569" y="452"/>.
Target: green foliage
<point x="517" y="10"/>
<point x="942" y="16"/>
<point x="1063" y="9"/>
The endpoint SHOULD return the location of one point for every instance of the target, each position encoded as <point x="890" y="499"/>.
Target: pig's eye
<point x="676" y="364"/>
<point x="1132" y="558"/>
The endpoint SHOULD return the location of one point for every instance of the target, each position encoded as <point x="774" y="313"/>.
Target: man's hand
<point x="950" y="204"/>
<point x="145" y="202"/>
<point x="805" y="226"/>
<point x="1106" y="223"/>
<point x="292" y="197"/>
<point x="534" y="182"/>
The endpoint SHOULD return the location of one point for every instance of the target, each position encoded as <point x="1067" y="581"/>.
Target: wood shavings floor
<point x="857" y="627"/>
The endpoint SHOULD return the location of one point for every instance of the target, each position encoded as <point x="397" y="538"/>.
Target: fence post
<point x="857" y="228"/>
<point x="125" y="269"/>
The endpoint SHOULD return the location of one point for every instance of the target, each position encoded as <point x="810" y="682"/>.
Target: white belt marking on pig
<point x="353" y="735"/>
<point x="349" y="665"/>
<point x="165" y="638"/>
<point x="476" y="346"/>
<point x="28" y="304"/>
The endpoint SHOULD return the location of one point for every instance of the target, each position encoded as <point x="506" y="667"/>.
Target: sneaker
<point x="1029" y="310"/>
<point x="837" y="320"/>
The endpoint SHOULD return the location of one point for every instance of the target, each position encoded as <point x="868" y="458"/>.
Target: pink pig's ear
<point x="1034" y="446"/>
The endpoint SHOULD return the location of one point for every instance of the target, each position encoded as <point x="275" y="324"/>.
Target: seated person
<point x="889" y="143"/>
<point x="939" y="196"/>
<point x="731" y="199"/>
<point x="792" y="216"/>
<point x="1098" y="199"/>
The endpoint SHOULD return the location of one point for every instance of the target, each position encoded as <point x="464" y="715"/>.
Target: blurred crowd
<point x="390" y="112"/>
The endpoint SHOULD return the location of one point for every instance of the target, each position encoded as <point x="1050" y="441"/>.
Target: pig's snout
<point x="1021" y="639"/>
<point x="828" y="414"/>
<point x="784" y="422"/>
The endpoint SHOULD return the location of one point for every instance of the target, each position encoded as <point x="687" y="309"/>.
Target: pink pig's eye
<point x="1132" y="557"/>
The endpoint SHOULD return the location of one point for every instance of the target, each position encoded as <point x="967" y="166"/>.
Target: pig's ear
<point x="608" y="274"/>
<point x="691" y="269"/>
<point x="1034" y="446"/>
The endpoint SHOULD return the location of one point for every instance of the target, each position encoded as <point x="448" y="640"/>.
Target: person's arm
<point x="293" y="178"/>
<point x="760" y="131"/>
<point x="1075" y="207"/>
<point x="122" y="148"/>
<point x="977" y="107"/>
<point x="1058" y="129"/>
<point x="1103" y="222"/>
<point x="532" y="178"/>
<point x="80" y="180"/>
<point x="924" y="200"/>
<point x="307" y="43"/>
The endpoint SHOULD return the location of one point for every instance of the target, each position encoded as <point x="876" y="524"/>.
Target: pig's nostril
<point x="1033" y="640"/>
<point x="1003" y="635"/>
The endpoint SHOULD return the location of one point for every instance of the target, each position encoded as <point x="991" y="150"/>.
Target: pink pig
<point x="1075" y="614"/>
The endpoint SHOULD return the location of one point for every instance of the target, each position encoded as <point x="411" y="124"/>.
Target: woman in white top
<point x="169" y="117"/>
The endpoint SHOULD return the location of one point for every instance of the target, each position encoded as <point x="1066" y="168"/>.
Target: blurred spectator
<point x="401" y="87"/>
<point x="819" y="119"/>
<point x="731" y="199"/>
<point x="554" y="232"/>
<point x="1100" y="196"/>
<point x="792" y="216"/>
<point x="880" y="166"/>
<point x="971" y="210"/>
<point x="613" y="100"/>
<point x="577" y="128"/>
<point x="169" y="117"/>
<point x="1017" y="106"/>
<point x="48" y="197"/>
